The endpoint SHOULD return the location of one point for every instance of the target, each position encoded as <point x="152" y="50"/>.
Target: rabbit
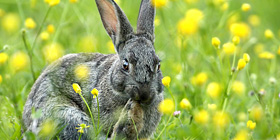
<point x="129" y="84"/>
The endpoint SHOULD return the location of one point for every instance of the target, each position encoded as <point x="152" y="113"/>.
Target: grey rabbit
<point x="129" y="83"/>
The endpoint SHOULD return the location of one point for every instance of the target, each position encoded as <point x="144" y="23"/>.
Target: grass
<point x="78" y="28"/>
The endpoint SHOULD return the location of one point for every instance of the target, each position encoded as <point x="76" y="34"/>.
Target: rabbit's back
<point x="53" y="89"/>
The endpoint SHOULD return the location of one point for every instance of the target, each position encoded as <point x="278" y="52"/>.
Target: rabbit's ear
<point x="146" y="17"/>
<point x="114" y="21"/>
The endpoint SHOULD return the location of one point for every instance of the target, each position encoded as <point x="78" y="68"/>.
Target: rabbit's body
<point x="129" y="83"/>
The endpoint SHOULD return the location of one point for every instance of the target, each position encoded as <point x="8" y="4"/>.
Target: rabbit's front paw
<point x="130" y="122"/>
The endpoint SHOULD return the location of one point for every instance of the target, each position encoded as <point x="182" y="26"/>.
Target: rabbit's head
<point x="137" y="73"/>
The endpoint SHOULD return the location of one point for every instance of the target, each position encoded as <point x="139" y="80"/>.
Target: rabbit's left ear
<point x="146" y="17"/>
<point x="114" y="21"/>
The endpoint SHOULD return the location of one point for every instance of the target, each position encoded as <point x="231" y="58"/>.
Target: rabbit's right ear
<point x="114" y="21"/>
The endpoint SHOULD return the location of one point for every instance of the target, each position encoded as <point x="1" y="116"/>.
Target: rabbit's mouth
<point x="144" y="96"/>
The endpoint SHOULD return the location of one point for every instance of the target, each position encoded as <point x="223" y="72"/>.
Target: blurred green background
<point x="219" y="100"/>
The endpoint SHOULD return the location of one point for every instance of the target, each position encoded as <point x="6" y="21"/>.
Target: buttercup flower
<point x="212" y="107"/>
<point x="81" y="72"/>
<point x="94" y="92"/>
<point x="216" y="42"/>
<point x="11" y="22"/>
<point x="73" y="1"/>
<point x="185" y="104"/>
<point x="238" y="88"/>
<point x="245" y="7"/>
<point x="278" y="52"/>
<point x="241" y="64"/>
<point x="257" y="113"/>
<point x="221" y="119"/>
<point x="19" y="61"/>
<point x="53" y="51"/>
<point x="159" y="3"/>
<point x="52" y="2"/>
<point x="30" y="23"/>
<point x="1" y="79"/>
<point x="44" y="35"/>
<point x="199" y="79"/>
<point x="82" y="127"/>
<point x="213" y="90"/>
<point x="268" y="34"/>
<point x="77" y="88"/>
<point x="254" y="20"/>
<point x="251" y="124"/>
<point x="166" y="106"/>
<point x="246" y="57"/>
<point x="241" y="135"/>
<point x="3" y="58"/>
<point x="240" y="29"/>
<point x="235" y="40"/>
<point x="229" y="48"/>
<point x="50" y="28"/>
<point x="202" y="117"/>
<point x="266" y="55"/>
<point x="166" y="81"/>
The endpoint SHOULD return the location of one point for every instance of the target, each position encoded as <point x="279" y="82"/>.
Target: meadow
<point x="220" y="60"/>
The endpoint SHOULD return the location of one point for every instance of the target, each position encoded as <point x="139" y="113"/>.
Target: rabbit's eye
<point x="125" y="65"/>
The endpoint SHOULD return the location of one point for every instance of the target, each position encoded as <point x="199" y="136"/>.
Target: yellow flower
<point x="268" y="34"/>
<point x="166" y="106"/>
<point x="241" y="135"/>
<point x="185" y="104"/>
<point x="240" y="29"/>
<point x="187" y="27"/>
<point x="200" y="79"/>
<point x="221" y="119"/>
<point x="277" y="51"/>
<point x="19" y="61"/>
<point x="242" y="116"/>
<point x="251" y="124"/>
<point x="159" y="3"/>
<point x="3" y="58"/>
<point x="256" y="113"/>
<point x="190" y="23"/>
<point x="157" y="21"/>
<point x="11" y="22"/>
<point x="73" y="1"/>
<point x="194" y="15"/>
<point x="30" y="23"/>
<point x="82" y="127"/>
<point x="225" y="6"/>
<point x="258" y="48"/>
<point x="218" y="2"/>
<point x="241" y="64"/>
<point x="1" y="79"/>
<point x="235" y="40"/>
<point x="48" y="128"/>
<point x="254" y="20"/>
<point x="94" y="92"/>
<point x="212" y="107"/>
<point x="50" y="28"/>
<point x="52" y="52"/>
<point x="229" y="48"/>
<point x="166" y="81"/>
<point x="245" y="7"/>
<point x="246" y="57"/>
<point x="278" y="137"/>
<point x="201" y="117"/>
<point x="52" y="2"/>
<point x="44" y="35"/>
<point x="81" y="72"/>
<point x="77" y="88"/>
<point x="111" y="46"/>
<point x="238" y="88"/>
<point x="2" y="12"/>
<point x="266" y="55"/>
<point x="216" y="42"/>
<point x="213" y="90"/>
<point x="87" y="44"/>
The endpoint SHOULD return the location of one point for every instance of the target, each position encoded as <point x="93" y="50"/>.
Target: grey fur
<point x="125" y="97"/>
